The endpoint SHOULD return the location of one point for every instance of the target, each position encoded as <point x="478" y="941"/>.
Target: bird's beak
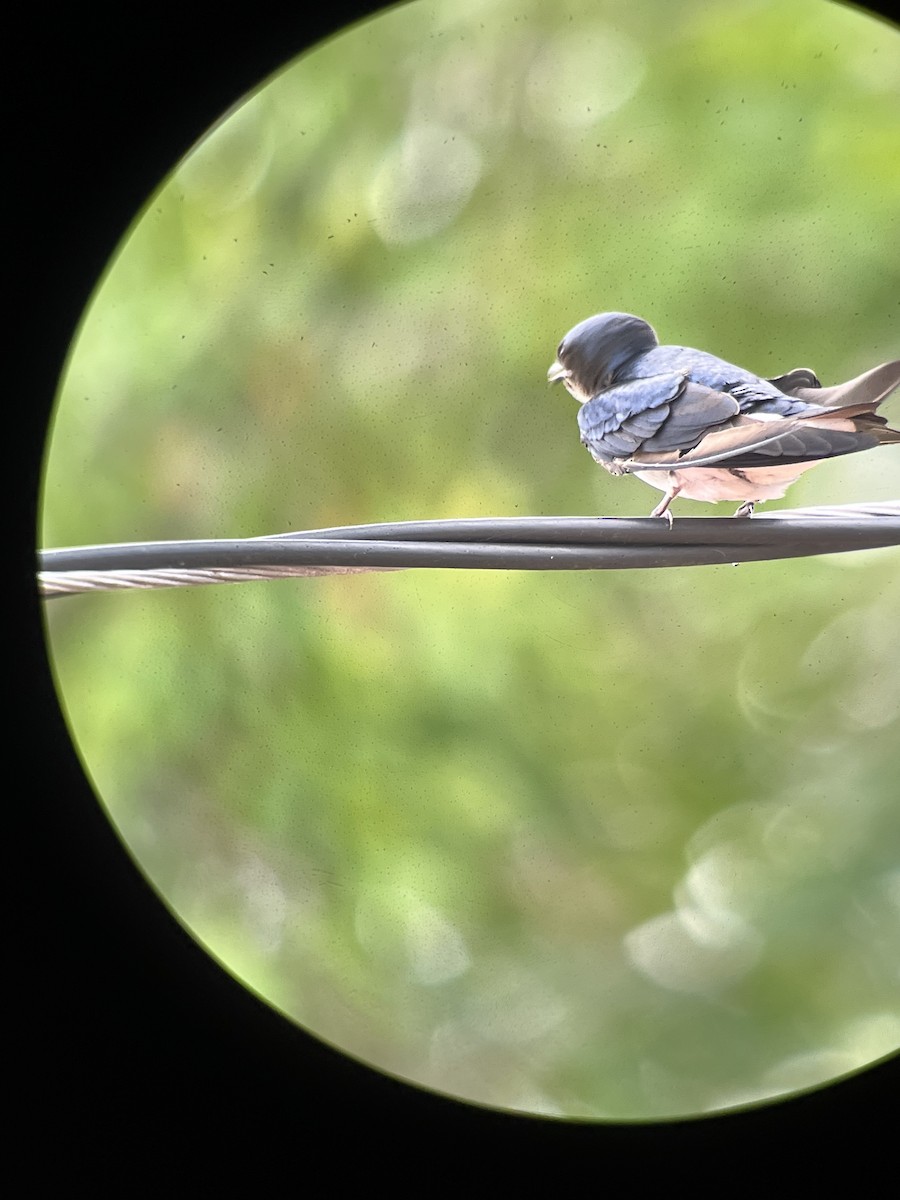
<point x="557" y="371"/>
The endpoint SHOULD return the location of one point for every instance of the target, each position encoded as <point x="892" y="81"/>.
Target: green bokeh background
<point x="620" y="845"/>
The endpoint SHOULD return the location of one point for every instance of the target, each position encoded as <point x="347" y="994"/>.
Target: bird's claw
<point x="746" y="509"/>
<point x="662" y="509"/>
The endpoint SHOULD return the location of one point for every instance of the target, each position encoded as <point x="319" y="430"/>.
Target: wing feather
<point x="658" y="413"/>
<point x="750" y="442"/>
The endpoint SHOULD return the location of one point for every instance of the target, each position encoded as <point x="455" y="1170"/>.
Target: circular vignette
<point x="488" y="922"/>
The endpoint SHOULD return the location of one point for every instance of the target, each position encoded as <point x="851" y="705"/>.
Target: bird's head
<point x="590" y="355"/>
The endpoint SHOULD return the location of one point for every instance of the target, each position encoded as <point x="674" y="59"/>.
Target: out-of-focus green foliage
<point x="621" y="844"/>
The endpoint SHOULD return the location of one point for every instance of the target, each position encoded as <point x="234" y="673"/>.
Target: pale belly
<point x="722" y="483"/>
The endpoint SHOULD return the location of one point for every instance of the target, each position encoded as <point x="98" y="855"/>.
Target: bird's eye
<point x="559" y="349"/>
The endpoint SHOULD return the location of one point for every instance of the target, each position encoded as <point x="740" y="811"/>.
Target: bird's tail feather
<point x="870" y="388"/>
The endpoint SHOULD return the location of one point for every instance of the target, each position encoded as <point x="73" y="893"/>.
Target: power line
<point x="492" y="543"/>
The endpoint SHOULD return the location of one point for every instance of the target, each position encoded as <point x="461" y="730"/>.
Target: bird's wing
<point x="759" y="396"/>
<point x="697" y="411"/>
<point x="658" y="413"/>
<point x="749" y="442"/>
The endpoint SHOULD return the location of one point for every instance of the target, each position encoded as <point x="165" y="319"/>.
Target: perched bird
<point x="694" y="425"/>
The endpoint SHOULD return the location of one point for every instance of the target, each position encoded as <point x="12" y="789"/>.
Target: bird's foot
<point x="662" y="509"/>
<point x="746" y="509"/>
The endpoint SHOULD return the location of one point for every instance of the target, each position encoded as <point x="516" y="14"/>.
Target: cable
<point x="493" y="543"/>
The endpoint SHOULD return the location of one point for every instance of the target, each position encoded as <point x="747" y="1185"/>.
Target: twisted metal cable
<point x="492" y="543"/>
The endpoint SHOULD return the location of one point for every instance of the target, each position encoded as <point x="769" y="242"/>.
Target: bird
<point x="694" y="425"/>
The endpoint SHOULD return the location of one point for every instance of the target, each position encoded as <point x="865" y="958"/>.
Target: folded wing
<point x="667" y="421"/>
<point x="660" y="413"/>
<point x="752" y="442"/>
